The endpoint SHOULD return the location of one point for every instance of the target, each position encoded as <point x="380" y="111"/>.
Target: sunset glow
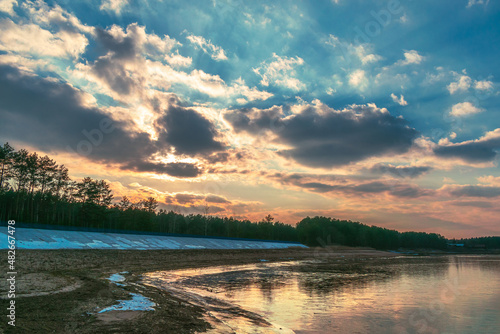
<point x="383" y="112"/>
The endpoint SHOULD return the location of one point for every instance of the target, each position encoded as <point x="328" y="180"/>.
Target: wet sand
<point x="62" y="291"/>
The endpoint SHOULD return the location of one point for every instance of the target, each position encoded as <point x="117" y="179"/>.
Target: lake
<point x="438" y="294"/>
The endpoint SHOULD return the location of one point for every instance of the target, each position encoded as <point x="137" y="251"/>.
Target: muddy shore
<point x="62" y="291"/>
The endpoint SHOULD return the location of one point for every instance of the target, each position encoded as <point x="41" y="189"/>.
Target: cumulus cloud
<point x="132" y="66"/>
<point x="50" y="114"/>
<point x="365" y="56"/>
<point x="483" y="85"/>
<point x="216" y="52"/>
<point x="31" y="39"/>
<point x="7" y="6"/>
<point x="254" y="120"/>
<point x="48" y="31"/>
<point x="280" y="71"/>
<point x="462" y="84"/>
<point x="464" y="109"/>
<point x="411" y="57"/>
<point x="358" y="79"/>
<point x="483" y="149"/>
<point x="401" y="100"/>
<point x="251" y="94"/>
<point x="322" y="137"/>
<point x="54" y="17"/>
<point x="188" y="132"/>
<point x="121" y="68"/>
<point x="176" y="60"/>
<point x="115" y="6"/>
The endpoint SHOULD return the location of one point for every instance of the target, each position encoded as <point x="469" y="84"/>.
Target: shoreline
<point x="62" y="291"/>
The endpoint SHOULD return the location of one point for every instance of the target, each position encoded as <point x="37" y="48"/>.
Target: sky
<point x="383" y="112"/>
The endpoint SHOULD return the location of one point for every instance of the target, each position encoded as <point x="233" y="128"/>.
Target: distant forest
<point x="35" y="189"/>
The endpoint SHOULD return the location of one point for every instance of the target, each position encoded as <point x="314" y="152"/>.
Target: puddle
<point x="137" y="303"/>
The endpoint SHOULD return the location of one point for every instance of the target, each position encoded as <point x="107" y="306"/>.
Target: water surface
<point x="448" y="294"/>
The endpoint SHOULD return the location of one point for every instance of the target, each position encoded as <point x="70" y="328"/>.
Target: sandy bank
<point x="62" y="291"/>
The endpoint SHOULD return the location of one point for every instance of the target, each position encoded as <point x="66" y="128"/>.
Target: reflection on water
<point x="449" y="294"/>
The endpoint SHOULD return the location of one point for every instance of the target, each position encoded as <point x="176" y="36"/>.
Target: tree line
<point x="481" y="242"/>
<point x="323" y="231"/>
<point x="35" y="189"/>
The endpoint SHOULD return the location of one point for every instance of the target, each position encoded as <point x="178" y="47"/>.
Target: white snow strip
<point x="28" y="238"/>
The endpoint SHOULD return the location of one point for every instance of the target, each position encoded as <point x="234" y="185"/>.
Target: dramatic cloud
<point x="53" y="115"/>
<point x="481" y="150"/>
<point x="121" y="67"/>
<point x="183" y="198"/>
<point x="49" y="113"/>
<point x="188" y="132"/>
<point x="401" y="171"/>
<point x="196" y="203"/>
<point x="132" y="66"/>
<point x="266" y="102"/>
<point x="336" y="185"/>
<point x="216" y="199"/>
<point x="176" y="169"/>
<point x="323" y="137"/>
<point x="464" y="109"/>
